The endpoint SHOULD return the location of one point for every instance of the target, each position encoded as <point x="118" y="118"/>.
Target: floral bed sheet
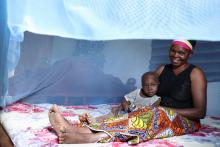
<point x="28" y="125"/>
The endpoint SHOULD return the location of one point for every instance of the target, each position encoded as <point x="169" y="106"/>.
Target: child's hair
<point x="150" y="73"/>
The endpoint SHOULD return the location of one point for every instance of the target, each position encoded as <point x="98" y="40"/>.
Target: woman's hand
<point x="199" y="96"/>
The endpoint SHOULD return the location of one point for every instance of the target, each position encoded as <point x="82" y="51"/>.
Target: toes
<point x="55" y="108"/>
<point x="62" y="129"/>
<point x="61" y="140"/>
<point x="61" y="137"/>
<point x="51" y="109"/>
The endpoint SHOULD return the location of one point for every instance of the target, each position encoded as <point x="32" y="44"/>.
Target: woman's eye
<point x="181" y="53"/>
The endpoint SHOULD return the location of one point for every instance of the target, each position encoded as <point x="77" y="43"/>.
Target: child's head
<point x="150" y="82"/>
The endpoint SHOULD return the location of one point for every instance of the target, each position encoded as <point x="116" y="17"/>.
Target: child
<point x="146" y="96"/>
<point x="139" y="98"/>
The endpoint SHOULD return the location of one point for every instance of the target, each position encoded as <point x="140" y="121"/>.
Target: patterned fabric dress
<point x="145" y="124"/>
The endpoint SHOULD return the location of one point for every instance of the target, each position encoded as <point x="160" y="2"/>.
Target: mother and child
<point x="171" y="102"/>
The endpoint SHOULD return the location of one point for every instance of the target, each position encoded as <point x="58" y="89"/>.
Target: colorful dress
<point x="145" y="124"/>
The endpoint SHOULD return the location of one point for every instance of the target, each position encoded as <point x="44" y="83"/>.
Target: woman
<point x="183" y="86"/>
<point x="183" y="91"/>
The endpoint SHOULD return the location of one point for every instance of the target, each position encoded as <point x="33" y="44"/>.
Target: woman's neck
<point x="179" y="69"/>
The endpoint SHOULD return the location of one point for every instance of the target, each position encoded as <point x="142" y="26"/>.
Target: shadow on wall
<point x="71" y="81"/>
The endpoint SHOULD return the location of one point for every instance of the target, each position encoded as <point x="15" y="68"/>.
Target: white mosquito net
<point x="91" y="52"/>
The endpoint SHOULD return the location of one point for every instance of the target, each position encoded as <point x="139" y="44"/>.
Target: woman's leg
<point x="72" y="134"/>
<point x="66" y="137"/>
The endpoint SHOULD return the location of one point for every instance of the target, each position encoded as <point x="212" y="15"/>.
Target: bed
<point x="28" y="125"/>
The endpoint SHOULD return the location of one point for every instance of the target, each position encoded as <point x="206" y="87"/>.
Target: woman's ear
<point x="190" y="54"/>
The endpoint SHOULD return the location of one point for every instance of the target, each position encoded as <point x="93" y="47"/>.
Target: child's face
<point x="150" y="86"/>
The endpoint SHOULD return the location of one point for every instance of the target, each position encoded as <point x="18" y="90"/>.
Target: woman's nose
<point x="175" y="54"/>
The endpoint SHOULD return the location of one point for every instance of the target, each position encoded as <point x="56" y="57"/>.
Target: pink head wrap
<point x="184" y="43"/>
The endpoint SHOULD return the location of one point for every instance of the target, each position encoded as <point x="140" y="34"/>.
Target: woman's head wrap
<point x="186" y="44"/>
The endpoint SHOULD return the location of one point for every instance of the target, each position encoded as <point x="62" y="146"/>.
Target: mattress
<point x="28" y="125"/>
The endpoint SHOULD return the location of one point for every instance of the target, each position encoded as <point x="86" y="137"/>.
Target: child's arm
<point x="125" y="105"/>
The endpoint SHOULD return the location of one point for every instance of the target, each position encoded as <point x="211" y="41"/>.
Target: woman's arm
<point x="199" y="95"/>
<point x="160" y="69"/>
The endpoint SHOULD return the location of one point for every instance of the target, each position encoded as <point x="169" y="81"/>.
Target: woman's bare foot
<point x="66" y="137"/>
<point x="58" y="121"/>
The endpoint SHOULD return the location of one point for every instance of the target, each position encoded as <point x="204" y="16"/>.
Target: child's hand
<point x="83" y="117"/>
<point x="125" y="105"/>
<point x="86" y="118"/>
<point x="116" y="110"/>
<point x="90" y="119"/>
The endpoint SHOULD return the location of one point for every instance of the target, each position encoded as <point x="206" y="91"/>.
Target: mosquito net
<point x="61" y="70"/>
<point x="91" y="52"/>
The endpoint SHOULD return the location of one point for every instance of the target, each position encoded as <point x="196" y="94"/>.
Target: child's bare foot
<point x="66" y="137"/>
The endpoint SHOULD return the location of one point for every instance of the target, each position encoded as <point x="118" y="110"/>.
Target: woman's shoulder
<point x="197" y="72"/>
<point x="160" y="69"/>
<point x="196" y="69"/>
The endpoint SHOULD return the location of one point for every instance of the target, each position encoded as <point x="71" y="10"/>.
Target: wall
<point x="123" y="59"/>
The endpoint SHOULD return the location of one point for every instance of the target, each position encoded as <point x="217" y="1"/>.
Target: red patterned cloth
<point x="145" y="124"/>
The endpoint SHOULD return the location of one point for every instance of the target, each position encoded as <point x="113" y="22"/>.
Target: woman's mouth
<point x="175" y="60"/>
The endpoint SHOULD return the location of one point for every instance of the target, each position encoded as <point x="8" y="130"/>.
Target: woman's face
<point x="179" y="55"/>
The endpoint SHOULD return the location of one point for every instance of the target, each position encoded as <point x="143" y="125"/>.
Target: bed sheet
<point x="28" y="125"/>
